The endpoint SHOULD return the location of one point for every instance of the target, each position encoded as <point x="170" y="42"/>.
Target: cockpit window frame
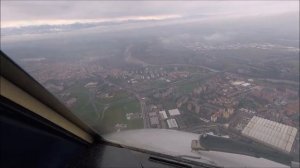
<point x="23" y="89"/>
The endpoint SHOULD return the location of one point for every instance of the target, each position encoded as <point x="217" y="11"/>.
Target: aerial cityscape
<point x="194" y="77"/>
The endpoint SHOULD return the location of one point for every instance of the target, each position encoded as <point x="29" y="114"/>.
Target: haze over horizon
<point x="32" y="13"/>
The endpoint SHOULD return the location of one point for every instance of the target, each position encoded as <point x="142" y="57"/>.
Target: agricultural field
<point x="103" y="113"/>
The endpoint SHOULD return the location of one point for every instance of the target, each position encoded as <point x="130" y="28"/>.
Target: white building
<point x="154" y="121"/>
<point x="242" y="83"/>
<point x="246" y="84"/>
<point x="213" y="118"/>
<point x="273" y="134"/>
<point x="237" y="83"/>
<point x="91" y="84"/>
<point x="163" y="114"/>
<point x="172" y="123"/>
<point x="152" y="114"/>
<point x="174" y="112"/>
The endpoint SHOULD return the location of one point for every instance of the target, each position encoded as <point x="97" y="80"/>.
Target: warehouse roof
<point x="152" y="114"/>
<point x="163" y="114"/>
<point x="271" y="133"/>
<point x="154" y="121"/>
<point x="174" y="112"/>
<point x="172" y="123"/>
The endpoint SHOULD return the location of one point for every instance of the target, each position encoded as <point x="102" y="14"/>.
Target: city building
<point x="154" y="121"/>
<point x="246" y="84"/>
<point x="163" y="114"/>
<point x="174" y="112"/>
<point x="270" y="133"/>
<point x="237" y="83"/>
<point x="91" y="84"/>
<point x="242" y="83"/>
<point x="213" y="118"/>
<point x="152" y="114"/>
<point x="172" y="123"/>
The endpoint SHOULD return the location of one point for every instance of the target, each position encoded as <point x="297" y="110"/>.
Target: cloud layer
<point x="18" y="13"/>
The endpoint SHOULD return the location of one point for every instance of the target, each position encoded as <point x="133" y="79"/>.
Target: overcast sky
<point x="18" y="13"/>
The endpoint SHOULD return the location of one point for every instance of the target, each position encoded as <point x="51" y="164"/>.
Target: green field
<point x="82" y="108"/>
<point x="117" y="96"/>
<point x="116" y="113"/>
<point x="107" y="111"/>
<point x="187" y="86"/>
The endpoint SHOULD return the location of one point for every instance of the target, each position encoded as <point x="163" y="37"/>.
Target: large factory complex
<point x="169" y="118"/>
<point x="271" y="133"/>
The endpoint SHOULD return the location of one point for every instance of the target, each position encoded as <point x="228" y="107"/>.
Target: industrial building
<point x="271" y="133"/>
<point x="172" y="123"/>
<point x="174" y="112"/>
<point x="154" y="121"/>
<point x="163" y="114"/>
<point x="152" y="114"/>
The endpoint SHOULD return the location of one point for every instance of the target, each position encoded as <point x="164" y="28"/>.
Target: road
<point x="139" y="98"/>
<point x="187" y="65"/>
<point x="279" y="81"/>
<point x="92" y="101"/>
<point x="201" y="128"/>
<point x="143" y="111"/>
<point x="130" y="59"/>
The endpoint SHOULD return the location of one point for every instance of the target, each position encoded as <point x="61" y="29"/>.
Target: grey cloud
<point x="34" y="10"/>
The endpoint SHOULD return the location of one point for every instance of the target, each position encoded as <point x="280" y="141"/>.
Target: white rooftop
<point x="152" y="114"/>
<point x="271" y="133"/>
<point x="163" y="114"/>
<point x="246" y="84"/>
<point x="237" y="82"/>
<point x="91" y="84"/>
<point x="174" y="112"/>
<point x="154" y="121"/>
<point x="172" y="123"/>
